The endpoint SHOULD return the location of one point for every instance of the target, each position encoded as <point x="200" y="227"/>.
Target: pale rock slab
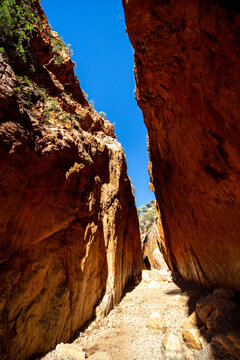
<point x="156" y="321"/>
<point x="192" y="332"/>
<point x="73" y="350"/>
<point x="172" y="348"/>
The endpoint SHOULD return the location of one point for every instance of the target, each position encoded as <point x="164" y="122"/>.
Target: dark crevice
<point x="214" y="173"/>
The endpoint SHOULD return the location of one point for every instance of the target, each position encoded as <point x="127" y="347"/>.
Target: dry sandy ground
<point x="123" y="334"/>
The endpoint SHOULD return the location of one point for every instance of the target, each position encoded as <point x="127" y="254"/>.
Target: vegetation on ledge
<point x="18" y="22"/>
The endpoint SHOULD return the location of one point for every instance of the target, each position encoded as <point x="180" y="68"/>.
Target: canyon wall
<point x="69" y="228"/>
<point x="187" y="71"/>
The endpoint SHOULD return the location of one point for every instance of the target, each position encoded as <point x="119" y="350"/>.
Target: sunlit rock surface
<point x="69" y="229"/>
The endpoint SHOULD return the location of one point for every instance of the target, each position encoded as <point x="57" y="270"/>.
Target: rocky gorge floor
<point x="146" y="325"/>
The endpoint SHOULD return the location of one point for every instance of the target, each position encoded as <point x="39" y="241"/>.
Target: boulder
<point x="223" y="293"/>
<point x="220" y="320"/>
<point x="207" y="305"/>
<point x="156" y="321"/>
<point x="192" y="332"/>
<point x="73" y="350"/>
<point x="172" y="348"/>
<point x="208" y="353"/>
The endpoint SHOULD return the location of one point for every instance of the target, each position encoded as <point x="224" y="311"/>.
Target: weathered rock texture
<point x="150" y="237"/>
<point x="187" y="72"/>
<point x="69" y="229"/>
<point x="152" y="256"/>
<point x="215" y="321"/>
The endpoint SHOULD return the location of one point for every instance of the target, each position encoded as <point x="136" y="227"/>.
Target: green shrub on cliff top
<point x="18" y="20"/>
<point x="59" y="46"/>
<point x="103" y="115"/>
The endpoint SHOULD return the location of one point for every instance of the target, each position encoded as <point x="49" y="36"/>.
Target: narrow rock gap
<point x="64" y="173"/>
<point x="147" y="324"/>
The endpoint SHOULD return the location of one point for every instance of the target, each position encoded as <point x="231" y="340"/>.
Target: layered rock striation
<point x="69" y="228"/>
<point x="187" y="76"/>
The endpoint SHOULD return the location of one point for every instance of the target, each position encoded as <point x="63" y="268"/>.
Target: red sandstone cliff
<point x="69" y="229"/>
<point x="187" y="72"/>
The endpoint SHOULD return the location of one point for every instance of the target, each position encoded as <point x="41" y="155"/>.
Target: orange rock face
<point x="187" y="72"/>
<point x="69" y="229"/>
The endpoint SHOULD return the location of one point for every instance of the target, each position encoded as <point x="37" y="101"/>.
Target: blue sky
<point x="104" y="65"/>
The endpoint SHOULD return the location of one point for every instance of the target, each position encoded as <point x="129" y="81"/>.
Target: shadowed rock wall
<point x="187" y="74"/>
